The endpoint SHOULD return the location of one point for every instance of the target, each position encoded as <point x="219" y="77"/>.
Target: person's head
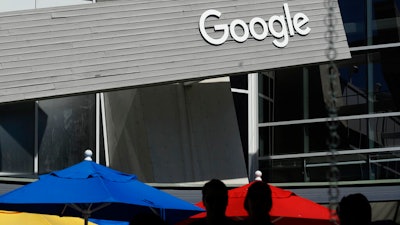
<point x="258" y="201"/>
<point x="215" y="197"/>
<point x="147" y="218"/>
<point x="354" y="209"/>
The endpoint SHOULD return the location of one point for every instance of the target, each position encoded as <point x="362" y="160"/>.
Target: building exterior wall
<point x="120" y="44"/>
<point x="141" y="55"/>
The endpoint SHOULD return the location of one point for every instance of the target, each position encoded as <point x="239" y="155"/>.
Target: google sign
<point x="286" y="27"/>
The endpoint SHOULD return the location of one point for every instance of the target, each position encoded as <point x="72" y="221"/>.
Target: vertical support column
<point x="370" y="74"/>
<point x="36" y="141"/>
<point x="369" y="22"/>
<point x="371" y="102"/>
<point x="98" y="127"/>
<point x="371" y="108"/>
<point x="105" y="135"/>
<point x="253" y="131"/>
<point x="186" y="136"/>
<point x="306" y="106"/>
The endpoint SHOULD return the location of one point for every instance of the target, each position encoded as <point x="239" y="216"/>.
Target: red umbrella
<point x="287" y="208"/>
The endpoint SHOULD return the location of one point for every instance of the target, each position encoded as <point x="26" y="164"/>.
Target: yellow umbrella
<point x="18" y="218"/>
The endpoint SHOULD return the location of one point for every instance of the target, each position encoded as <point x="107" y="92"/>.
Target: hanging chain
<point x="334" y="139"/>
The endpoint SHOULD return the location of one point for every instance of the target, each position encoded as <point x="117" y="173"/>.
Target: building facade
<point x="155" y="89"/>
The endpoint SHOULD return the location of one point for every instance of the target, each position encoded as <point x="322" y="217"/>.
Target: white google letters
<point x="287" y="27"/>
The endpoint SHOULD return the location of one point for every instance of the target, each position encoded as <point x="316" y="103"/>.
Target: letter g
<point x="218" y="27"/>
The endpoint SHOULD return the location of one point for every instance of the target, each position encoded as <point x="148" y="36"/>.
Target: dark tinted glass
<point x="17" y="138"/>
<point x="66" y="129"/>
<point x="371" y="22"/>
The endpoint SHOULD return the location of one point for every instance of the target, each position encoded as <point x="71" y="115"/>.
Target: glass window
<point x="291" y="94"/>
<point x="67" y="127"/>
<point x="370" y="22"/>
<point x="368" y="89"/>
<point x="239" y="81"/>
<point x="17" y="138"/>
<point x="266" y="95"/>
<point x="385" y="21"/>
<point x="354" y="20"/>
<point x="310" y="139"/>
<point x="369" y="83"/>
<point x="241" y="107"/>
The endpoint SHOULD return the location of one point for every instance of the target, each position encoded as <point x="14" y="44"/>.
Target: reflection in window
<point x="355" y="164"/>
<point x="371" y="22"/>
<point x="241" y="103"/>
<point x="385" y="21"/>
<point x="369" y="83"/>
<point x="354" y="21"/>
<point x="368" y="86"/>
<point x="17" y="126"/>
<point x="66" y="129"/>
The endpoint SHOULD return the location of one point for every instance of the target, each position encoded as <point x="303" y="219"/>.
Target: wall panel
<point x="127" y="43"/>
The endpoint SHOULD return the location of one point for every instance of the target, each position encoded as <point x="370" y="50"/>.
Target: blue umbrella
<point x="108" y="222"/>
<point x="90" y="190"/>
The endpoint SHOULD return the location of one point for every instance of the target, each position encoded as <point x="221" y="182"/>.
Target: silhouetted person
<point x="215" y="200"/>
<point x="258" y="204"/>
<point x="354" y="209"/>
<point x="384" y="222"/>
<point x="147" y="219"/>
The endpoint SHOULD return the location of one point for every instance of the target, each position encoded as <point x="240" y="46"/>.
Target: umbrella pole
<point x="86" y="216"/>
<point x="86" y="219"/>
<point x="85" y="212"/>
